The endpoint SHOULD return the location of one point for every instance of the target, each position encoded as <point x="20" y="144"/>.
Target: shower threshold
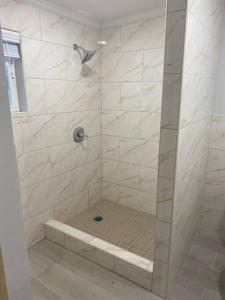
<point x="121" y="240"/>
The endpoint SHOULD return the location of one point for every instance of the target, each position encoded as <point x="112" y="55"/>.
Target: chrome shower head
<point x="86" y="55"/>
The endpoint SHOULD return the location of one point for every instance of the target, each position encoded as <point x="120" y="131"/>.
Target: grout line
<point x="213" y="262"/>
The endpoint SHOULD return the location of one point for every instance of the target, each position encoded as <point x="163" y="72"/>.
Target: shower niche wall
<point x="116" y="97"/>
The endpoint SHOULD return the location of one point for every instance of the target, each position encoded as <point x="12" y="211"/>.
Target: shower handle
<point x="78" y="134"/>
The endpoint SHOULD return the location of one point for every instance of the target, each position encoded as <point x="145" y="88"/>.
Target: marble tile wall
<point x="132" y="72"/>
<point x="172" y="79"/>
<point x="195" y="29"/>
<point x="203" y="30"/>
<point x="213" y="214"/>
<point x="58" y="178"/>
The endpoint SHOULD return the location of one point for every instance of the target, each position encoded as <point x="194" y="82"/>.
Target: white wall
<point x="12" y="239"/>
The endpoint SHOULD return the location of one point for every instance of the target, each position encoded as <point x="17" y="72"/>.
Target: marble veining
<point x="61" y="94"/>
<point x="132" y="73"/>
<point x="191" y="60"/>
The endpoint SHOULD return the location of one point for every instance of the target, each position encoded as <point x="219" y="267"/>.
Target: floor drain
<point x="98" y="218"/>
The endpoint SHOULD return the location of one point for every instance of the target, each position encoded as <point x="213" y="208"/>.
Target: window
<point x="14" y="70"/>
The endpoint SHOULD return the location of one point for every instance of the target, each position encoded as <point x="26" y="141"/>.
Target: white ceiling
<point x="108" y="10"/>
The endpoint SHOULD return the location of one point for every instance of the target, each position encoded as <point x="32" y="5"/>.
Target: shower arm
<point x="76" y="47"/>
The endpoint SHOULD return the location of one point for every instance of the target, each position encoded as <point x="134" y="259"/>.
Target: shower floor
<point x="122" y="226"/>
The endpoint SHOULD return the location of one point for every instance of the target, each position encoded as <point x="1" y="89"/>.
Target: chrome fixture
<point x="78" y="135"/>
<point x="85" y="55"/>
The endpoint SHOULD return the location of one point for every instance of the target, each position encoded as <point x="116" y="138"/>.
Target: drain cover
<point x="98" y="219"/>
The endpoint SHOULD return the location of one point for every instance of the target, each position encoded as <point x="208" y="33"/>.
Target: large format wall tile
<point x="143" y="35"/>
<point x="132" y="71"/>
<point x="111" y="95"/>
<point x="34" y="167"/>
<point x="165" y="199"/>
<point x="192" y="146"/>
<point x="20" y="17"/>
<point x="201" y="60"/>
<point x="217" y="140"/>
<point x="46" y="130"/>
<point x="59" y="30"/>
<point x="120" y="173"/>
<point x="171" y="100"/>
<point x="150" y="126"/>
<point x="61" y="95"/>
<point x="110" y="191"/>
<point x="214" y="205"/>
<point x="153" y="65"/>
<point x="141" y="96"/>
<point x="137" y="199"/>
<point x="121" y="123"/>
<point x="17" y="135"/>
<point x="34" y="227"/>
<point x="67" y="96"/>
<point x="123" y="66"/>
<point x="215" y="195"/>
<point x="43" y="60"/>
<point x="73" y="66"/>
<point x="191" y="56"/>
<point x="36" y="96"/>
<point x="210" y="17"/>
<point x="148" y="180"/>
<point x="139" y="152"/>
<point x="175" y="5"/>
<point x="89" y="120"/>
<point x="66" y="210"/>
<point x="175" y="33"/>
<point x="61" y="159"/>
<point x="110" y="147"/>
<point x="216" y="165"/>
<point x="85" y="176"/>
<point x="213" y="223"/>
<point x="112" y="37"/>
<point x="195" y="91"/>
<point x="167" y="154"/>
<point x="162" y="241"/>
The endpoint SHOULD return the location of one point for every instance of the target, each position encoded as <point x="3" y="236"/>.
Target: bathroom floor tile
<point x="219" y="264"/>
<point x="202" y="255"/>
<point x="186" y="290"/>
<point x="38" y="263"/>
<point x="72" y="277"/>
<point x="71" y="286"/>
<point x="201" y="274"/>
<point x="41" y="292"/>
<point x="211" y="295"/>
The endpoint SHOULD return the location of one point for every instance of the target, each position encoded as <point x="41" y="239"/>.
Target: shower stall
<point x="114" y="178"/>
<point x="111" y="128"/>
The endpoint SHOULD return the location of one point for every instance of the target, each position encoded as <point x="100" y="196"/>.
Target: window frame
<point x="14" y="37"/>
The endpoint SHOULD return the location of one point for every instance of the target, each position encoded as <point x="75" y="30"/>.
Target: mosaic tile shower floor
<point x="122" y="226"/>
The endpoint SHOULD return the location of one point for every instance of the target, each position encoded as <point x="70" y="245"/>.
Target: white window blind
<point x="9" y="36"/>
<point x="11" y="41"/>
<point x="11" y="50"/>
